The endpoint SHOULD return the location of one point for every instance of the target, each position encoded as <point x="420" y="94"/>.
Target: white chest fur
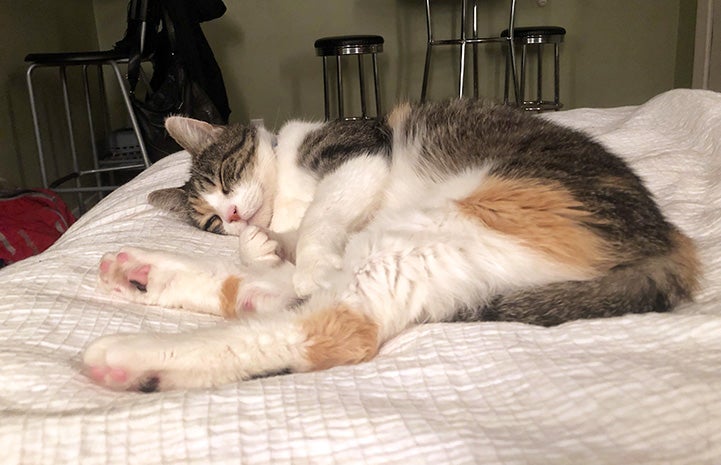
<point x="295" y="186"/>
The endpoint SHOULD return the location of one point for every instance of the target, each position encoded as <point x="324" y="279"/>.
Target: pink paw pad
<point x="122" y="270"/>
<point x="248" y="305"/>
<point x="101" y="374"/>
<point x="138" y="276"/>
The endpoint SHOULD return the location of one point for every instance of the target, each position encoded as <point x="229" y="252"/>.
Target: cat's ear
<point x="193" y="135"/>
<point x="174" y="199"/>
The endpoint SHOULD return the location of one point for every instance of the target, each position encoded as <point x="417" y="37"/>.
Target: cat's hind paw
<point x="129" y="362"/>
<point x="161" y="362"/>
<point x="125" y="272"/>
<point x="148" y="277"/>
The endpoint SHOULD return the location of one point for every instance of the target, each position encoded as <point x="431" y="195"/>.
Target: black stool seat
<point x="537" y="35"/>
<point x="541" y="32"/>
<point x="75" y="58"/>
<point x="348" y="45"/>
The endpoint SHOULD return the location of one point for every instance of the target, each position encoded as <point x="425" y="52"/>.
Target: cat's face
<point x="232" y="177"/>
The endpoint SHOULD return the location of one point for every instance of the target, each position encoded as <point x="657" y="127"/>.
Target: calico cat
<point x="351" y="232"/>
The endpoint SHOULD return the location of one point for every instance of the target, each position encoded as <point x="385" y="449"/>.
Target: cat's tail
<point x="651" y="284"/>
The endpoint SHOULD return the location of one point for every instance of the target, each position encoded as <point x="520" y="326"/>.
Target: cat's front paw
<point x="315" y="274"/>
<point x="255" y="246"/>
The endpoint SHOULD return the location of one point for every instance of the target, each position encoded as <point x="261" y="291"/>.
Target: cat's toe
<point x="257" y="247"/>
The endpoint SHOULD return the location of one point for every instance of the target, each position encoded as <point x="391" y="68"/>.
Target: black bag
<point x="173" y="89"/>
<point x="177" y="95"/>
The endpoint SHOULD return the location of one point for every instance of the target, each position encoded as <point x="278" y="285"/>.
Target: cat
<point x="351" y="232"/>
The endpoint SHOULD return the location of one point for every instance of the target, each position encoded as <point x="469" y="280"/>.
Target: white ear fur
<point x="193" y="135"/>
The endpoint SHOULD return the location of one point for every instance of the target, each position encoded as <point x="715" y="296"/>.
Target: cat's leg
<point x="343" y="203"/>
<point x="274" y="343"/>
<point x="405" y="268"/>
<point x="216" y="287"/>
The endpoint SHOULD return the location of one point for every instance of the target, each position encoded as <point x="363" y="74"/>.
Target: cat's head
<point x="232" y="176"/>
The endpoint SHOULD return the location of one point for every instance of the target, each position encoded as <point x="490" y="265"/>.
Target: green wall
<point x="617" y="52"/>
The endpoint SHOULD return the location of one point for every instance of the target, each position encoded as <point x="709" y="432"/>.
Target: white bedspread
<point x="638" y="389"/>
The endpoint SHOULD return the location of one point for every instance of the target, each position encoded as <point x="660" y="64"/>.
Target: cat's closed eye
<point x="212" y="224"/>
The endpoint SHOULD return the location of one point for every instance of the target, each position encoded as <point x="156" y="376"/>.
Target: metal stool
<point x="473" y="40"/>
<point x="349" y="45"/>
<point x="102" y="163"/>
<point x="537" y="36"/>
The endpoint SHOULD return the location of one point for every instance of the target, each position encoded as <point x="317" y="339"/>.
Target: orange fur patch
<point x="339" y="336"/>
<point x="228" y="297"/>
<point x="544" y="216"/>
<point x="685" y="256"/>
<point x="399" y="115"/>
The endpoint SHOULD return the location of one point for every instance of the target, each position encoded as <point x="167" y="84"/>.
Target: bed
<point x="638" y="389"/>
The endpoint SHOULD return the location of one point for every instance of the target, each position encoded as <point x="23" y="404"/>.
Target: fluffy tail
<point x="652" y="284"/>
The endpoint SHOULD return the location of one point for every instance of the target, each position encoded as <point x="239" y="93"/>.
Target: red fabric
<point x="30" y="222"/>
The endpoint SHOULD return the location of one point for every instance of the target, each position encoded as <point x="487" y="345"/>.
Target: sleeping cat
<point x="351" y="232"/>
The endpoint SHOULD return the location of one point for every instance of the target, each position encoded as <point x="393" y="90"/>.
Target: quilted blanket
<point x="641" y="389"/>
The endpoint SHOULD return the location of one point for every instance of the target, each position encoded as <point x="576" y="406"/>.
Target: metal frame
<point x="474" y="40"/>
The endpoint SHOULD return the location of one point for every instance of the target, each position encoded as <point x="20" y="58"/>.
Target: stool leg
<point x="91" y="126"/>
<point x="36" y="125"/>
<point x="326" y="102"/>
<point x="426" y="70"/>
<point x="522" y="80"/>
<point x="71" y="134"/>
<point x="103" y="100"/>
<point x="339" y="82"/>
<point x="557" y="72"/>
<point x="505" y="81"/>
<point x="362" y="87"/>
<point x="463" y="49"/>
<point x="475" y="49"/>
<point x="427" y="66"/>
<point x="539" y="82"/>
<point x="376" y="80"/>
<point x="511" y="68"/>
<point x="129" y="106"/>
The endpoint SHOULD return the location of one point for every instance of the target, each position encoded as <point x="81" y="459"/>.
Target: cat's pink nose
<point x="233" y="215"/>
